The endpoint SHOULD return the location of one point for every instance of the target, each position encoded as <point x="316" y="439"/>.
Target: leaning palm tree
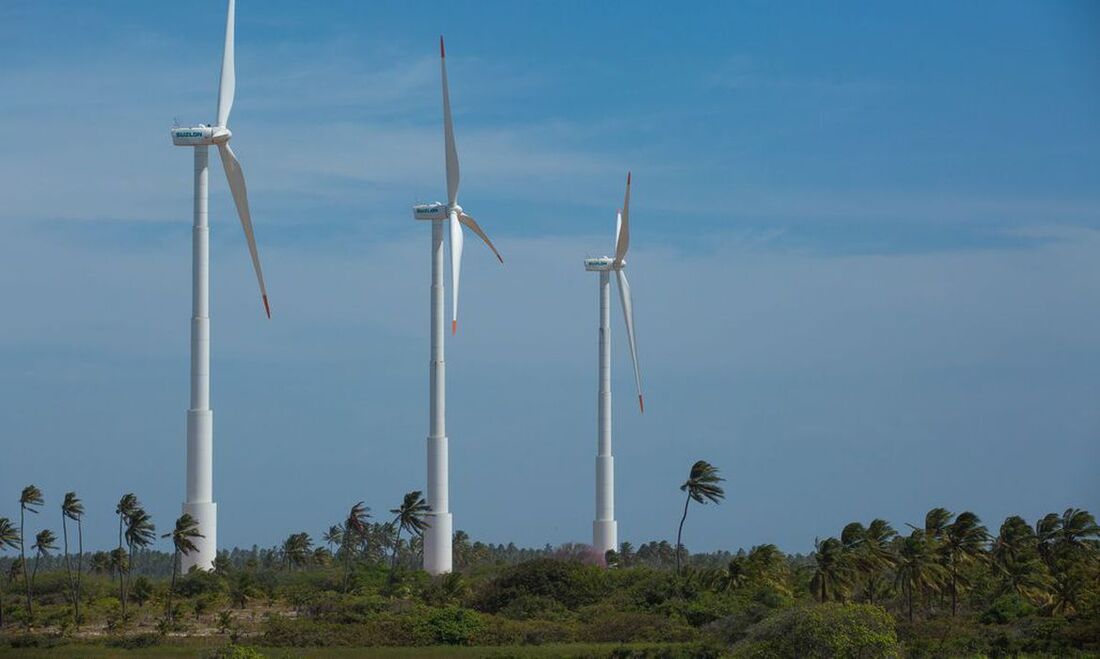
<point x="917" y="567"/>
<point x="29" y="500"/>
<point x="876" y="554"/>
<point x="964" y="542"/>
<point x="832" y="570"/>
<point x="183" y="544"/>
<point x="701" y="485"/>
<point x="73" y="509"/>
<point x="409" y="516"/>
<point x="140" y="533"/>
<point x="43" y="545"/>
<point x="126" y="506"/>
<point x="355" y="529"/>
<point x="333" y="536"/>
<point x="9" y="539"/>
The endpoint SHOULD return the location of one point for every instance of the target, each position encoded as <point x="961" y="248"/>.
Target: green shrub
<point x="825" y="630"/>
<point x="453" y="626"/>
<point x="1006" y="609"/>
<point x="233" y="651"/>
<point x="605" y="625"/>
<point x="134" y="642"/>
<point x="569" y="583"/>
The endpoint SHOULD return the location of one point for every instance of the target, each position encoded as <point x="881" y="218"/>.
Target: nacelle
<point x="599" y="264"/>
<point x="436" y="211"/>
<point x="198" y="136"/>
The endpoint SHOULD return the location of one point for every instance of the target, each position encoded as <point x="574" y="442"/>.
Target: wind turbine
<point x="605" y="529"/>
<point x="200" y="418"/>
<point x="437" y="537"/>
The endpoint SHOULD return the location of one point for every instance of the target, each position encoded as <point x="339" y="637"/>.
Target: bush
<point x="135" y="642"/>
<point x="233" y="651"/>
<point x="1006" y="609"/>
<point x="604" y="625"/>
<point x="824" y="630"/>
<point x="569" y="583"/>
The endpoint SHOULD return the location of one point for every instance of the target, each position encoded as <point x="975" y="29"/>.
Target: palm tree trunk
<point x="23" y="555"/>
<point x="79" y="565"/>
<point x="871" y="586"/>
<point x="680" y="533"/>
<point x="172" y="588"/>
<point x="396" y="545"/>
<point x="909" y="591"/>
<point x="34" y="573"/>
<point x="954" y="588"/>
<point x="347" y="564"/>
<point x="68" y="565"/>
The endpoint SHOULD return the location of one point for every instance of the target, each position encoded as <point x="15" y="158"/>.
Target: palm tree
<point x="9" y="539"/>
<point x="1015" y="554"/>
<point x="296" y="549"/>
<point x="878" y="555"/>
<point x="29" y="500"/>
<point x="43" y="545"/>
<point x="409" y="517"/>
<point x="333" y="536"/>
<point x="73" y="509"/>
<point x="917" y="568"/>
<point x="355" y="528"/>
<point x="1076" y="531"/>
<point x="964" y="541"/>
<point x="140" y="533"/>
<point x="183" y="544"/>
<point x="935" y="523"/>
<point x="832" y="571"/>
<point x="126" y="506"/>
<point x="701" y="485"/>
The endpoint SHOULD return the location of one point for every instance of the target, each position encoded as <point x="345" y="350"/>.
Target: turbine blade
<point x="628" y="315"/>
<point x="228" y="86"/>
<point x="470" y="222"/>
<point x="456" y="267"/>
<point x="448" y="133"/>
<point x="622" y="241"/>
<point x="235" y="177"/>
<point x="618" y="227"/>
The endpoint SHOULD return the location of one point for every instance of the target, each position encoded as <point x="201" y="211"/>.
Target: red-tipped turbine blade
<point x="454" y="327"/>
<point x="267" y="307"/>
<point x="641" y="403"/>
<point x="442" y="53"/>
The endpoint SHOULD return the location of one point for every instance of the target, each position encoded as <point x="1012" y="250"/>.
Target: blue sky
<point x="864" y="260"/>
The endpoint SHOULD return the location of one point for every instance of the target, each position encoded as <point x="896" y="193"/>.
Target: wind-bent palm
<point x="333" y="536"/>
<point x="917" y="567"/>
<point x="355" y="529"/>
<point x="140" y="533"/>
<point x="29" y="500"/>
<point x="126" y="507"/>
<point x="832" y="569"/>
<point x="43" y="545"/>
<point x="297" y="549"/>
<point x="409" y="517"/>
<point x="73" y="509"/>
<point x="702" y="485"/>
<point x="1015" y="554"/>
<point x="183" y="544"/>
<point x="963" y="542"/>
<point x="9" y="539"/>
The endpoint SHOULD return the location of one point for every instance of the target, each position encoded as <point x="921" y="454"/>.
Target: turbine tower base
<point x="605" y="536"/>
<point x="206" y="514"/>
<point x="437" y="543"/>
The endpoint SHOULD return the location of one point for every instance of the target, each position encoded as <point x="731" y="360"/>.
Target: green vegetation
<point x="946" y="588"/>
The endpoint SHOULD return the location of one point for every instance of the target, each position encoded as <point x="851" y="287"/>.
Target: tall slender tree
<point x="73" y="509"/>
<point x="333" y="536"/>
<point x="127" y="504"/>
<point x="702" y="485"/>
<point x="140" y="533"/>
<point x="963" y="542"/>
<point x="355" y="529"/>
<point x="832" y="570"/>
<point x="917" y="567"/>
<point x="409" y="516"/>
<point x="183" y="544"/>
<point x="9" y="539"/>
<point x="29" y="500"/>
<point x="43" y="545"/>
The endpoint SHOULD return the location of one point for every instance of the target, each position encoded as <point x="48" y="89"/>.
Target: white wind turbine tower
<point x="200" y="420"/>
<point x="437" y="537"/>
<point x="605" y="529"/>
